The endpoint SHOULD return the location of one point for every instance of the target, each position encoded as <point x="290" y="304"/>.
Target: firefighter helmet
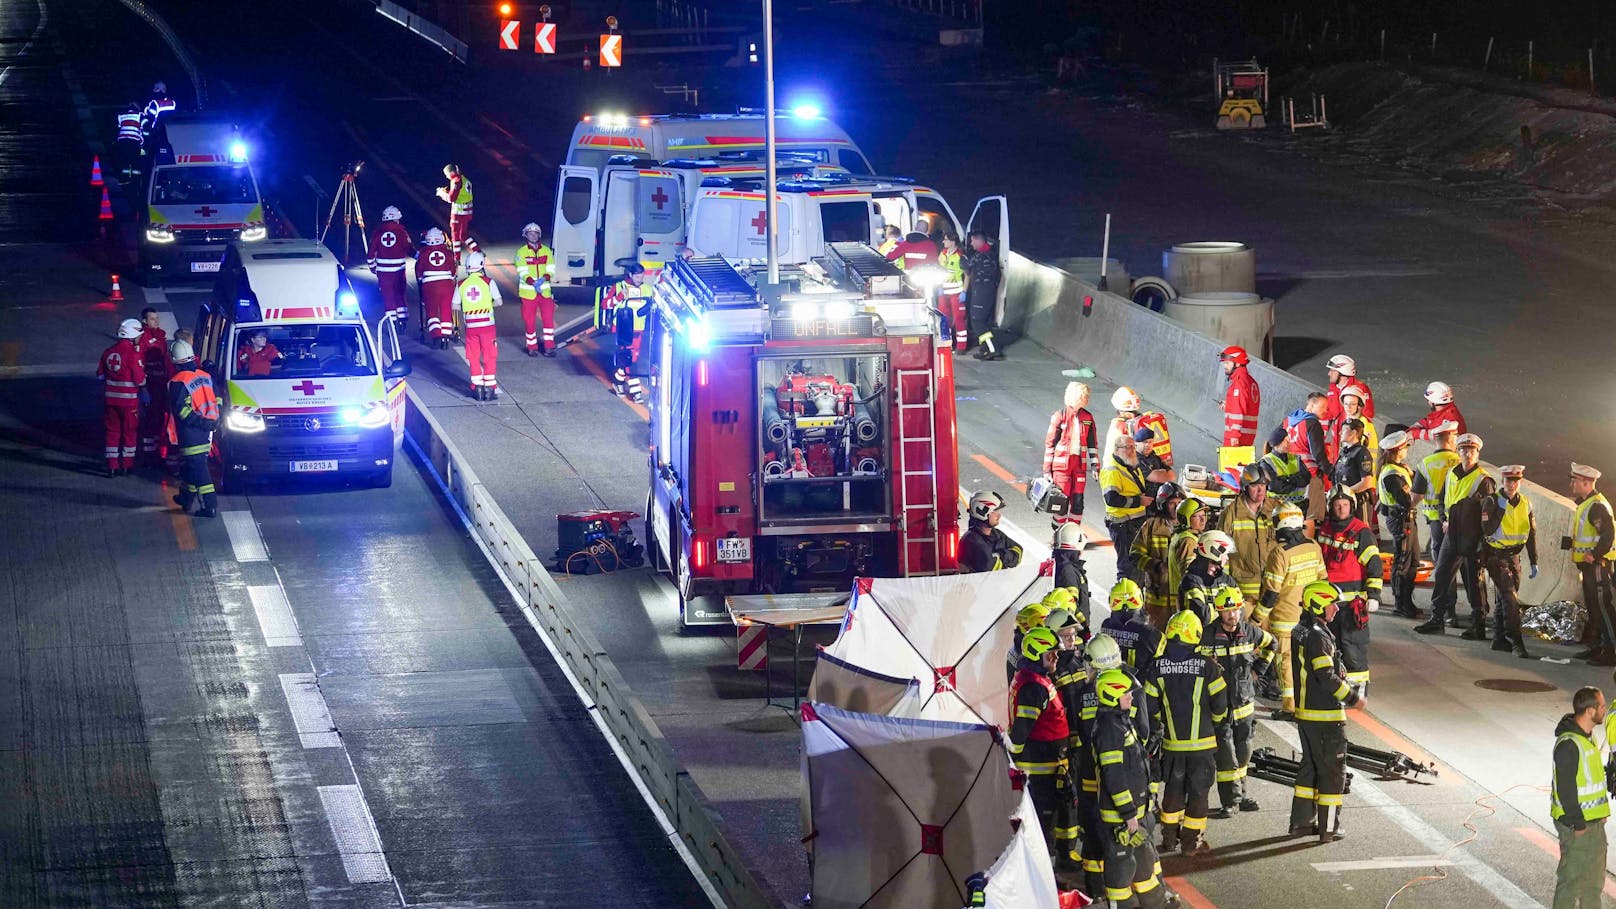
<point x="1060" y="598"/>
<point x="1340" y="492"/>
<point x="1251" y="475"/>
<point x="179" y="350"/>
<point x="1031" y="616"/>
<point x="1104" y="653"/>
<point x="1215" y="545"/>
<point x="391" y="213"/>
<point x="1228" y="598"/>
<point x="129" y="329"/>
<point x="1059" y="618"/>
<point x="1289" y="517"/>
<point x="1111" y="686"/>
<point x="1184" y="627"/>
<point x="1037" y="642"/>
<point x="983" y="503"/>
<point x="1317" y="596"/>
<point x="1070" y="536"/>
<point x="1126" y="596"/>
<point x="532" y="228"/>
<point x="1125" y="398"/>
<point x="433" y="237"/>
<point x="1343" y="364"/>
<point x="1188" y="508"/>
<point x="475" y="261"/>
<point x="1167" y="491"/>
<point x="1439" y="393"/>
<point x="1236" y="355"/>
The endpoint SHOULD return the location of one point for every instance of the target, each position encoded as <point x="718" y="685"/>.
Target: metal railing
<point x="432" y="32"/>
<point x="175" y="46"/>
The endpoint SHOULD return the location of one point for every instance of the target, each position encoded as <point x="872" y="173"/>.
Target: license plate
<point x="204" y="266"/>
<point x="735" y="549"/>
<point x="313" y="466"/>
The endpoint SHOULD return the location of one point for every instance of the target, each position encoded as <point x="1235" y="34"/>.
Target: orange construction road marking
<point x="1389" y="737"/>
<point x="184" y="531"/>
<point x="1097" y="539"/>
<point x="1188" y="895"/>
<point x="1552" y="846"/>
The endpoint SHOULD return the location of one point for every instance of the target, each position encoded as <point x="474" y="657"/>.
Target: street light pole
<point x="770" y="209"/>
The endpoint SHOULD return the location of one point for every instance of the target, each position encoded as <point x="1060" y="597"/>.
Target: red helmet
<point x="1237" y="354"/>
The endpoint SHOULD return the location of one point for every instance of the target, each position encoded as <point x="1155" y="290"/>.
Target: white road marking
<point x="275" y="617"/>
<point x="155" y="296"/>
<point x="1376" y="864"/>
<point x="309" y="712"/>
<point x="245" y="539"/>
<point x="355" y="832"/>
<point x="44" y="18"/>
<point x="167" y="322"/>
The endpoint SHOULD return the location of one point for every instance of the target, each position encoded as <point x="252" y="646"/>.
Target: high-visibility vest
<point x="1591" y="795"/>
<point x="477" y="301"/>
<point x="1129" y="482"/>
<point x="202" y="400"/>
<point x="536" y="263"/>
<point x="1050" y="725"/>
<point x="129" y="127"/>
<point x="1456" y="488"/>
<point x="1584" y="535"/>
<point x="1434" y="468"/>
<point x="461" y="203"/>
<point x="1386" y="470"/>
<point x="1516" y="524"/>
<point x="954" y="272"/>
<point x="1286" y="465"/>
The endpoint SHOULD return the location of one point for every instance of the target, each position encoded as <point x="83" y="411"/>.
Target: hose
<point x="1437" y="873"/>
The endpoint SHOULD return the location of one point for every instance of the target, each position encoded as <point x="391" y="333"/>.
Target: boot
<point x="207" y="512"/>
<point x="1169" y="838"/>
<point x="183" y="503"/>
<point x="1191" y="842"/>
<point x="1329" y="825"/>
<point x="1520" y="646"/>
<point x="532" y="352"/>
<point x="1604" y="656"/>
<point x="1477" y="630"/>
<point x="1247" y="803"/>
<point x="1434" y="626"/>
<point x="548" y="352"/>
<point x="1501" y="643"/>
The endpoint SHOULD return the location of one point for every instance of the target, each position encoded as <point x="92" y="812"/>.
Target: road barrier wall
<point x="681" y="800"/>
<point x="1176" y="370"/>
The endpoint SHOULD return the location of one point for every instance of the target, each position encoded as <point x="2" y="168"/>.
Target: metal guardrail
<point x="434" y="33"/>
<point x="175" y="46"/>
<point x="619" y="707"/>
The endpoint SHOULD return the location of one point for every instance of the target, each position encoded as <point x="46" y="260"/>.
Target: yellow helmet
<point x="1037" y="642"/>
<point x="1031" y="616"/>
<point x="1317" y="596"/>
<point x="1110" y="686"/>
<point x="1188" y="508"/>
<point x="1060" y="598"/>
<point x="1126" y="595"/>
<point x="1228" y="598"/>
<point x="1185" y="627"/>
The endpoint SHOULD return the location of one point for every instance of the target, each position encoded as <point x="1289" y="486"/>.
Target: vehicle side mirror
<point x="397" y="369"/>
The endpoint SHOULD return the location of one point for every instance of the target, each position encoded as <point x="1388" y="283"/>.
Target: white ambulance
<point x="306" y="388"/>
<point x="800" y="131"/>
<point x="201" y="194"/>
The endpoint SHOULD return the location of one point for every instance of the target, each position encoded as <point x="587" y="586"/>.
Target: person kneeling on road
<point x="985" y="547"/>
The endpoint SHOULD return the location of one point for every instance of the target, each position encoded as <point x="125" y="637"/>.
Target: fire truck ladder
<point x="929" y="450"/>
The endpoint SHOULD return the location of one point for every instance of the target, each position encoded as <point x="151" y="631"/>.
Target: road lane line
<point x="245" y="539"/>
<point x="1096" y="538"/>
<point x="1383" y="862"/>
<point x="589" y="346"/>
<point x="184" y="532"/>
<point x="39" y="29"/>
<point x="275" y="619"/>
<point x="1552" y="846"/>
<point x="309" y="712"/>
<point x="355" y="832"/>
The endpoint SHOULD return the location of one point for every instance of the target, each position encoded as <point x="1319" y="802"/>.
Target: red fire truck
<point x="798" y="442"/>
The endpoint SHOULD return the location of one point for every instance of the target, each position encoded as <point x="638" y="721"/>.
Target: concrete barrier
<point x="620" y="709"/>
<point x="1176" y="370"/>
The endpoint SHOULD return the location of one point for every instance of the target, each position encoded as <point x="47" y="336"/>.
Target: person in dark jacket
<point x="982" y="294"/>
<point x="1396" y="495"/>
<point x="1579" y="803"/>
<point x="985" y="547"/>
<point x="1070" y="572"/>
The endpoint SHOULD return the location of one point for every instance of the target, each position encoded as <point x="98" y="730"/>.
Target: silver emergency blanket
<point x="1561" y="622"/>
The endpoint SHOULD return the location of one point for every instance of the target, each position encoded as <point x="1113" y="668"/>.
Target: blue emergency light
<point x="807" y="110"/>
<point x="238" y="151"/>
<point x="699" y="336"/>
<point x="347" y="303"/>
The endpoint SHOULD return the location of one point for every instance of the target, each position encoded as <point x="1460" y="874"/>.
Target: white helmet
<point x="474" y="261"/>
<point x="433" y="236"/>
<point x="1289" y="517"/>
<point x="159" y="88"/>
<point x="179" y="350"/>
<point x="1070" y="536"/>
<point x="129" y="328"/>
<point x="1103" y="652"/>
<point x="1343" y="364"/>
<point x="391" y="213"/>
<point x="1215" y="545"/>
<point x="1439" y="393"/>
<point x="531" y="228"/>
<point x="983" y="503"/>
<point x="1355" y="391"/>
<point x="1125" y="398"/>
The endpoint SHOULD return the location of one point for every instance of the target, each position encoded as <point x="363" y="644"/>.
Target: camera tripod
<point x="347" y="199"/>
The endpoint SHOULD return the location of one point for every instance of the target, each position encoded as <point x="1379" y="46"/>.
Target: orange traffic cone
<point x="106" y="205"/>
<point x="95" y="172"/>
<point x="117" y="292"/>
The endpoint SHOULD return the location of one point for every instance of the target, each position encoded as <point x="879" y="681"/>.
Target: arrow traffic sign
<point x="611" y="50"/>
<point x="544" y="37"/>
<point x="507" y="34"/>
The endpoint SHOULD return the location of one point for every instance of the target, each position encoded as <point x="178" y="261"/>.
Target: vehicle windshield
<point x="301" y="351"/>
<point x="213" y="184"/>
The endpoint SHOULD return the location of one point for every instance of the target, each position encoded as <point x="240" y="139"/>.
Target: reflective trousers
<point x="437" y="308"/>
<point x="391" y="285"/>
<point x="1234" y="754"/>
<point x="1187" y="778"/>
<point x="482" y="352"/>
<point x="951" y="306"/>
<point x="122" y="424"/>
<point x="538" y="313"/>
<point x="196" y="481"/>
<point x="459" y="226"/>
<point x="1322" y="776"/>
<point x="1133" y="873"/>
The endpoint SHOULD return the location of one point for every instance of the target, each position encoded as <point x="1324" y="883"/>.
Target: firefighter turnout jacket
<point x="1322" y="692"/>
<point x="1038" y="725"/>
<point x="1200" y="586"/>
<point x="1124" y="770"/>
<point x="987" y="551"/>
<point x="1140" y="642"/>
<point x="1188" y="698"/>
<point x="1239" y="653"/>
<point x="196" y="409"/>
<point x="1351" y="556"/>
<point x="1254" y="543"/>
<point x="1291" y="569"/>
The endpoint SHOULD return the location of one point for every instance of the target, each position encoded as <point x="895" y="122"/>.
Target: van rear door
<point x="619" y="230"/>
<point x="992" y="217"/>
<point x="660" y="204"/>
<point x="576" y="224"/>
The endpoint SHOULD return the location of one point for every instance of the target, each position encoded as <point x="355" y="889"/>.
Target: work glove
<point x="1132" y="836"/>
<point x="1532" y="573"/>
<point x="528" y="280"/>
<point x="545" y="287"/>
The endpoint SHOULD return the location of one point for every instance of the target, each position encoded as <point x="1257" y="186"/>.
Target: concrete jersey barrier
<point x="1176" y="370"/>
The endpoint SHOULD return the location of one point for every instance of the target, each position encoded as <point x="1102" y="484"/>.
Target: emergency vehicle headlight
<point x="373" y="417"/>
<point x="238" y="151"/>
<point x="807" y="110"/>
<point x="928" y="277"/>
<point x="159" y="233"/>
<point x="242" y="421"/>
<point x="255" y="230"/>
<point x="839" y="309"/>
<point x="347" y="304"/>
<point x="802" y="312"/>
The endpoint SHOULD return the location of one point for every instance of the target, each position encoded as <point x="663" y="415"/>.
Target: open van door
<point x="619" y="228"/>
<point x="577" y="221"/>
<point x="992" y="217"/>
<point x="660" y="204"/>
<point x="394" y="368"/>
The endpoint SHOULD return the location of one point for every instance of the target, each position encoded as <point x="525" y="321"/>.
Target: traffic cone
<point x="106" y="205"/>
<point x="95" y="172"/>
<point x="117" y="292"/>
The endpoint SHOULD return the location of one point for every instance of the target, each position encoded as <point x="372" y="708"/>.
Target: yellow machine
<point x="1242" y="92"/>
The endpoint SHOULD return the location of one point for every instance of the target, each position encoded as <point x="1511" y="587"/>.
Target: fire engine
<point x="802" y="438"/>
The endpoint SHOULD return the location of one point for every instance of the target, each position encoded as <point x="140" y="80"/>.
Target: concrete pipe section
<point x="1232" y="317"/>
<point x="1152" y="292"/>
<point x="1214" y="265"/>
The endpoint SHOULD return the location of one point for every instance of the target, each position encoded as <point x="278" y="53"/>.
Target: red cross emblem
<point x="437" y="258"/>
<point x="206" y="211"/>
<point x="473" y="294"/>
<point x="659" y="197"/>
<point x="761" y="222"/>
<point x="389" y="238"/>
<point x="308" y="387"/>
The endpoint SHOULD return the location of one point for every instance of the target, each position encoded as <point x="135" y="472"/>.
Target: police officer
<point x="1187" y="695"/>
<point x="1038" y="725"/>
<point x="1592" y="552"/>
<point x="1579" y="803"/>
<point x="1298" y="563"/>
<point x="1507" y="520"/>
<point x="1322" y="697"/>
<point x="1430" y="477"/>
<point x="1459" y="509"/>
<point x="1395" y="487"/>
<point x="1140" y="643"/>
<point x="982" y="294"/>
<point x="1206" y="574"/>
<point x="1126" y="498"/>
<point x="195" y="409"/>
<point x="1352" y="563"/>
<point x="1124" y="798"/>
<point x="1355" y="470"/>
<point x="985" y="547"/>
<point x="1241" y="651"/>
<point x="1249" y="522"/>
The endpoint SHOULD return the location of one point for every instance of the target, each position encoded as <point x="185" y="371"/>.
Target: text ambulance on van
<point x="201" y="195"/>
<point x="306" y="389"/>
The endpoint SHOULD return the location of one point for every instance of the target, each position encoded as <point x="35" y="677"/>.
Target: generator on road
<point x="801" y="439"/>
<point x="1242" y="92"/>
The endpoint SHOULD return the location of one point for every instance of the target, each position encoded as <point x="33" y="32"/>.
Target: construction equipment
<point x="1267" y="764"/>
<point x="1242" y="93"/>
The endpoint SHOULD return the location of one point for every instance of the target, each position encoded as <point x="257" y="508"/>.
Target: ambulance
<point x="201" y="195"/>
<point x="306" y="388"/>
<point x="800" y="131"/>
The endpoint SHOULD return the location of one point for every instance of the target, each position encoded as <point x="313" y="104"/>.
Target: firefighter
<point x="1242" y="652"/>
<point x="1028" y="617"/>
<point x="893" y="235"/>
<point x="627" y="307"/>
<point x="948" y="295"/>
<point x="1126" y="499"/>
<point x="1298" y="563"/>
<point x="1352" y="563"/>
<point x="123" y="377"/>
<point x="1150" y="552"/>
<point x="535" y="266"/>
<point x="916" y="249"/>
<point x="131" y="143"/>
<point x="435" y="268"/>
<point x="459" y="196"/>
<point x="1070" y="453"/>
<point x="1430" y="476"/>
<point x="1206" y="574"/>
<point x="1082" y="709"/>
<point x="1355" y="469"/>
<point x="153" y="347"/>
<point x="390" y="250"/>
<point x="1304" y="436"/>
<point x="1459" y="510"/>
<point x="159" y="105"/>
<point x="985" y="547"/>
<point x="475" y="298"/>
<point x="1321" y="698"/>
<point x="1140" y="643"/>
<point x="1507" y="520"/>
<point x="1070" y="572"/>
<point x="1443" y="410"/>
<point x="982" y="294"/>
<point x="1242" y="399"/>
<point x="1068" y="675"/>
<point x="1039" y="730"/>
<point x="1187" y="695"/>
<point x="1592" y="551"/>
<point x="1395" y="487"/>
<point x="1249" y="522"/>
<point x="1123" y="797"/>
<point x="1193" y="518"/>
<point x="195" y="408"/>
